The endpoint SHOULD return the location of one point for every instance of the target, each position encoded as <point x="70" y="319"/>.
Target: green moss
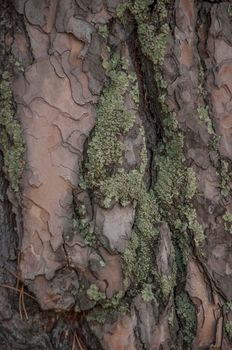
<point x="81" y="225"/>
<point x="229" y="329"/>
<point x="225" y="178"/>
<point x="203" y="113"/>
<point x="170" y="166"/>
<point x="194" y="225"/>
<point x="152" y="32"/>
<point x="176" y="183"/>
<point x="103" y="31"/>
<point x="229" y="306"/>
<point x="167" y="284"/>
<point x="115" y="301"/>
<point x="171" y="316"/>
<point x="227" y="217"/>
<point x="161" y="83"/>
<point x="147" y="293"/>
<point x="230" y="10"/>
<point x="123" y="187"/>
<point x="105" y="151"/>
<point x="201" y="81"/>
<point x="11" y="139"/>
<point x="156" y="50"/>
<point x="170" y="199"/>
<point x="187" y="316"/>
<point x="134" y="88"/>
<point x="106" y="176"/>
<point x="98" y="314"/>
<point x="94" y="293"/>
<point x="139" y="256"/>
<point x="102" y="315"/>
<point x="82" y="184"/>
<point x="191" y="181"/>
<point x="121" y="9"/>
<point x="109" y="308"/>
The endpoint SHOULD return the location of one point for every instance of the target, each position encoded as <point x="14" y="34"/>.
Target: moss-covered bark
<point x="116" y="156"/>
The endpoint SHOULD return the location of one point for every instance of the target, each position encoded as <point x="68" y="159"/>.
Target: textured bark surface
<point x="115" y="185"/>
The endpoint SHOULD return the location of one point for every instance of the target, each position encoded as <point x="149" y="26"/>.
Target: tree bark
<point x="115" y="186"/>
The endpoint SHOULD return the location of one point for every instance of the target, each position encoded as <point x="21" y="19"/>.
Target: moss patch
<point x="108" y="179"/>
<point x="187" y="316"/>
<point x="147" y="293"/>
<point x="105" y="151"/>
<point x="170" y="200"/>
<point x="103" y="31"/>
<point x="203" y="113"/>
<point x="176" y="182"/>
<point x="227" y="217"/>
<point x="139" y="256"/>
<point x="167" y="284"/>
<point x="224" y="174"/>
<point x="94" y="293"/>
<point x="108" y="309"/>
<point x="230" y="10"/>
<point x="152" y="33"/>
<point x="11" y="139"/>
<point x="229" y="329"/>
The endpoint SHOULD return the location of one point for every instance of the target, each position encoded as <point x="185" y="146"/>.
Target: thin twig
<point x="20" y="304"/>
<point x="23" y="303"/>
<point x="73" y="343"/>
<point x="17" y="290"/>
<point x="78" y="342"/>
<point x="17" y="278"/>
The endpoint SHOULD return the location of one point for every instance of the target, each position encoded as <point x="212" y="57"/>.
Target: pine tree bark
<point x="115" y="186"/>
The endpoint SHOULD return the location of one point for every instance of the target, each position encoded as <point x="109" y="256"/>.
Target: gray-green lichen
<point x="228" y="327"/>
<point x="201" y="82"/>
<point x="103" y="31"/>
<point x="176" y="182"/>
<point x="108" y="179"/>
<point x="11" y="139"/>
<point x="227" y="217"/>
<point x="228" y="306"/>
<point x="81" y="225"/>
<point x="224" y="173"/>
<point x="152" y="34"/>
<point x="203" y="113"/>
<point x="167" y="284"/>
<point x="108" y="308"/>
<point x="94" y="293"/>
<point x="204" y="109"/>
<point x="147" y="292"/>
<point x="187" y="316"/>
<point x="105" y="151"/>
<point x="230" y="10"/>
<point x="139" y="255"/>
<point x="170" y="200"/>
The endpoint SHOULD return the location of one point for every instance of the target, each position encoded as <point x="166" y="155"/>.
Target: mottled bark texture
<point x="115" y="185"/>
